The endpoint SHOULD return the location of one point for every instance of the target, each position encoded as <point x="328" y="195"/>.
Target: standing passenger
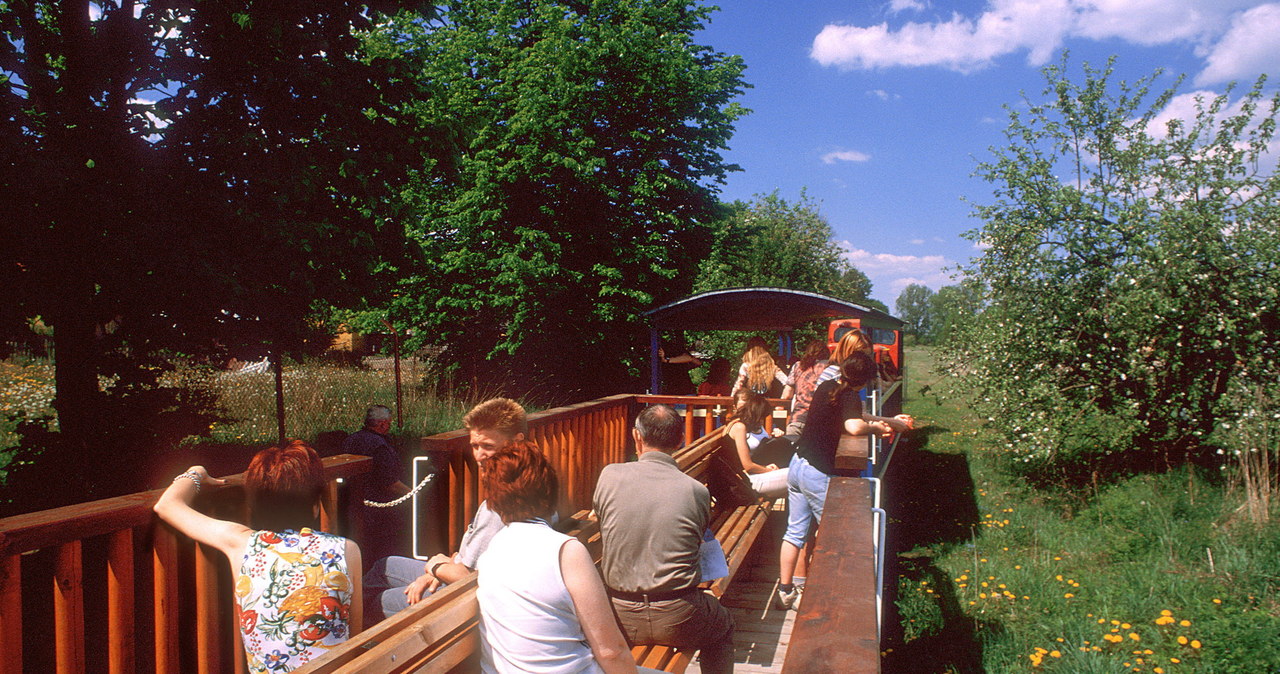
<point x="652" y="520"/>
<point x="836" y="409"/>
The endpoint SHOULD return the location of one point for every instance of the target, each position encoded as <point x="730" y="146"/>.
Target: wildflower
<point x="1134" y="636"/>
<point x="1217" y="601"/>
<point x="1185" y="623"/>
<point x="1055" y="654"/>
<point x="1068" y="595"/>
<point x="1195" y="643"/>
<point x="1166" y="612"/>
<point x="1182" y="640"/>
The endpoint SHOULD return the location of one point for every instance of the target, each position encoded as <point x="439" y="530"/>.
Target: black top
<point x="386" y="463"/>
<point x="822" y="430"/>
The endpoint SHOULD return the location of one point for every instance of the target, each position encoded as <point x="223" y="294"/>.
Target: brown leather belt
<point x="665" y="595"/>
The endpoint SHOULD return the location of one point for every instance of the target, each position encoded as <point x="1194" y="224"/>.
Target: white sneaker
<point x="786" y="600"/>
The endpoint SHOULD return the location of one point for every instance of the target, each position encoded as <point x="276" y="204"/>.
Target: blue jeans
<point x="806" y="494"/>
<point x="384" y="586"/>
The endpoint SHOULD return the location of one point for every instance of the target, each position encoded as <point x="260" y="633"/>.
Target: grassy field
<point x="1154" y="573"/>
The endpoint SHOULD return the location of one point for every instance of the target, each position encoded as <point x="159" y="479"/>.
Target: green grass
<point x="1024" y="579"/>
<point x="321" y="398"/>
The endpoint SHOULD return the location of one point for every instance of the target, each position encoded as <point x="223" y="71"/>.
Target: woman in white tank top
<point x="543" y="607"/>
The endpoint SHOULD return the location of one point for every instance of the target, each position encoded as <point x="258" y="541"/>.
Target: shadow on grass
<point x="929" y="497"/>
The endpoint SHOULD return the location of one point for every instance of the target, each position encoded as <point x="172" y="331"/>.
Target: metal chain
<point x="402" y="499"/>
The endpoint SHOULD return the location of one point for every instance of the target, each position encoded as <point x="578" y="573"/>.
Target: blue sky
<point x="882" y="109"/>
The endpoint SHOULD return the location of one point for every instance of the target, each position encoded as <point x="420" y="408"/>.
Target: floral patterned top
<point x="293" y="596"/>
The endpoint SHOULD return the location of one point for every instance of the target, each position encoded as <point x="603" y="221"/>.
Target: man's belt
<point x="657" y="595"/>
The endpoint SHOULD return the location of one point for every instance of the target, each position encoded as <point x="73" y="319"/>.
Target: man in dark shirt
<point x="652" y="521"/>
<point x="380" y="532"/>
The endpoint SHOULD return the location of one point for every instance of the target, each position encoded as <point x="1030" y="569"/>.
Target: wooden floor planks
<point x="761" y="632"/>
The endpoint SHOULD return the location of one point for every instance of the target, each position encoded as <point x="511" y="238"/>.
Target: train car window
<point x="882" y="336"/>
<point x="841" y="332"/>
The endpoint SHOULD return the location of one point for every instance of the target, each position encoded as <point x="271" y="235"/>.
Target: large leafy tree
<point x="772" y="242"/>
<point x="1132" y="269"/>
<point x="915" y="307"/>
<point x="588" y="140"/>
<point x="178" y="173"/>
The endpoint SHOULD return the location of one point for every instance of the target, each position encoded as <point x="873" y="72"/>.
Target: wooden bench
<point x="442" y="634"/>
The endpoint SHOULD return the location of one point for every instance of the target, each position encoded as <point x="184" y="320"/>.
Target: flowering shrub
<point x="1132" y="269"/>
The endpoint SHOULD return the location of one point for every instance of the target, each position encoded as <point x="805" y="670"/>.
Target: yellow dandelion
<point x="1134" y="636"/>
<point x="1185" y="623"/>
<point x="1068" y="595"/>
<point x="1055" y="654"/>
<point x="1217" y="601"/>
<point x="1166" y="612"/>
<point x="1195" y="643"/>
<point x="1182" y="640"/>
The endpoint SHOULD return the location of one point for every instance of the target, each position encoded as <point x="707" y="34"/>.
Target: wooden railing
<point x="161" y="589"/>
<point x="167" y="604"/>
<point x="578" y="439"/>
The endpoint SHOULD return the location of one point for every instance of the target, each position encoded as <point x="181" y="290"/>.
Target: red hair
<point x="520" y="483"/>
<point x="284" y="484"/>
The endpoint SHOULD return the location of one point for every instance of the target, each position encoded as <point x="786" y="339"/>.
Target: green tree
<point x="1132" y="262"/>
<point x="951" y="307"/>
<point x="183" y="174"/>
<point x="588" y="140"/>
<point x="915" y="305"/>
<point x="770" y="242"/>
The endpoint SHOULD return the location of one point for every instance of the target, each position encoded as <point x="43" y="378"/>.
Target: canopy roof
<point x="750" y="309"/>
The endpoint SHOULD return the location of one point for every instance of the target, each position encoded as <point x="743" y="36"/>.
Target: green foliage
<point x="1131" y="268"/>
<point x="199" y="187"/>
<point x="1075" y="562"/>
<point x="915" y="307"/>
<point x="771" y="242"/>
<point x="586" y="142"/>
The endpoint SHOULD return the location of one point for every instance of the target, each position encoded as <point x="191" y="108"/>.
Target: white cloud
<point x="917" y="242"/>
<point x="845" y="155"/>
<point x="1249" y="48"/>
<point x="890" y="273"/>
<point x="897" y="6"/>
<point x="1040" y="27"/>
<point x="884" y="95"/>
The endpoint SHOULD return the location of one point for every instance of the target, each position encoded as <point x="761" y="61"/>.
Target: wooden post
<point x="329" y="507"/>
<point x="120" y="602"/>
<point x="164" y="547"/>
<point x="278" y="367"/>
<point x="11" y="611"/>
<point x="68" y="609"/>
<point x="208" y="624"/>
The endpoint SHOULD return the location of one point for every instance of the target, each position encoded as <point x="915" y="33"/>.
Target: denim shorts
<point x="806" y="494"/>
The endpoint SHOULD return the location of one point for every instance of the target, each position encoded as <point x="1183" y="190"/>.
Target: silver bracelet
<point x="190" y="475"/>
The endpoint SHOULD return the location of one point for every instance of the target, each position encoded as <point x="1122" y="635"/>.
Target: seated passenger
<point x="543" y="607"/>
<point x="294" y="595"/>
<point x="746" y="429"/>
<point x="397" y="582"/>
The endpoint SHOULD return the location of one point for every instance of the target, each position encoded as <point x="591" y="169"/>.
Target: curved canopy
<point x="750" y="309"/>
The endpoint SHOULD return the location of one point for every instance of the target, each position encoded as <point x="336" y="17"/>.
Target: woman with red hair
<point x="543" y="607"/>
<point x="294" y="595"/>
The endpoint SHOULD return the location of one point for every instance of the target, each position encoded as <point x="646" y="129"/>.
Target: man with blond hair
<point x="397" y="582"/>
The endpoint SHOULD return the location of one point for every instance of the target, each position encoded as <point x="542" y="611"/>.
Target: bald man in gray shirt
<point x="652" y="518"/>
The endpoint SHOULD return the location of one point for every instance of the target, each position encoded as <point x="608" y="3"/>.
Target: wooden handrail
<point x="58" y="526"/>
<point x="176" y="584"/>
<point x="835" y="629"/>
